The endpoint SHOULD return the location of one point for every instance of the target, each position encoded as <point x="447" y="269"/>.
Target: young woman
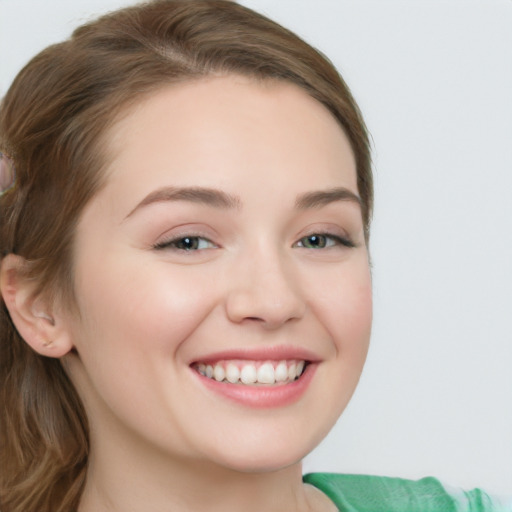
<point x="185" y="211"/>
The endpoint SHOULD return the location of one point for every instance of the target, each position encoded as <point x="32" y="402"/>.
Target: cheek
<point x="344" y="303"/>
<point x="147" y="308"/>
<point x="358" y="312"/>
<point x="129" y="334"/>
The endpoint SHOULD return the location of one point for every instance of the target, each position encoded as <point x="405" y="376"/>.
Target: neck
<point x="192" y="487"/>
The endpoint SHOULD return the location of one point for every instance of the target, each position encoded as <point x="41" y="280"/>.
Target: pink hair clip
<point x="7" y="173"/>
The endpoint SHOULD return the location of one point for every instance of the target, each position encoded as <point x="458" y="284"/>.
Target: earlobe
<point x="34" y="318"/>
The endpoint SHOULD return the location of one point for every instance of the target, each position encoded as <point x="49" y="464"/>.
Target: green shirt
<point x="363" y="493"/>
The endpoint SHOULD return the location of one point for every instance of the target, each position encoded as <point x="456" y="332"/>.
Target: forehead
<point x="222" y="131"/>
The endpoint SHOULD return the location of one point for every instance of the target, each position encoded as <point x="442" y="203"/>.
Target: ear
<point x="39" y="323"/>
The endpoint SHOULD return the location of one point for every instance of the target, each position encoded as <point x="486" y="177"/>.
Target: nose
<point x="264" y="289"/>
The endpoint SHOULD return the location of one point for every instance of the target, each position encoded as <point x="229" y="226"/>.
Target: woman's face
<point x="227" y="247"/>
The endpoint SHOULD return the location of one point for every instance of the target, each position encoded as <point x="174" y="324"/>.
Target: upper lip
<point x="273" y="353"/>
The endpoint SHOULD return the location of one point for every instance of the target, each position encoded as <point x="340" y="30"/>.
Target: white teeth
<point x="248" y="375"/>
<point x="300" y="368"/>
<point x="218" y="373"/>
<point x="266" y="374"/>
<point x="269" y="373"/>
<point x="281" y="372"/>
<point x="232" y="373"/>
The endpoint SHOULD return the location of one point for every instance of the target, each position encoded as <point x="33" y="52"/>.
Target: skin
<point x="148" y="311"/>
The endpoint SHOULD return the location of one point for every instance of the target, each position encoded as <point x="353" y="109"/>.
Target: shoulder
<point x="366" y="493"/>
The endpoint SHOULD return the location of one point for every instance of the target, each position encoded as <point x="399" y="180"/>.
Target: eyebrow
<point x="200" y="195"/>
<point x="321" y="198"/>
<point x="219" y="199"/>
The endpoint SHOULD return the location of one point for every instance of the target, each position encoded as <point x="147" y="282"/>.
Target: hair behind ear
<point x="43" y="430"/>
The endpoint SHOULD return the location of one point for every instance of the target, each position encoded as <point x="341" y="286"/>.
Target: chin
<point x="264" y="454"/>
<point x="262" y="463"/>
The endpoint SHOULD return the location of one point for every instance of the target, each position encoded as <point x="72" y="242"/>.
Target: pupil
<point x="316" y="241"/>
<point x="188" y="243"/>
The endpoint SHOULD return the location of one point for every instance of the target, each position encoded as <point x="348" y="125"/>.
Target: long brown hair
<point x="51" y="124"/>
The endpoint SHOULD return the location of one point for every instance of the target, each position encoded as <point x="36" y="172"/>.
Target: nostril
<point x="266" y="304"/>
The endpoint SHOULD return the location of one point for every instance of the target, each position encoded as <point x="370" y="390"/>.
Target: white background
<point x="434" y="81"/>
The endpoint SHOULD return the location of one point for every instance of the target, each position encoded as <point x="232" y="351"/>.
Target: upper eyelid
<point x="187" y="230"/>
<point x="327" y="229"/>
<point x="212" y="235"/>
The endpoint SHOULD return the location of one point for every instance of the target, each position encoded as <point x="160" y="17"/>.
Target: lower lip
<point x="262" y="397"/>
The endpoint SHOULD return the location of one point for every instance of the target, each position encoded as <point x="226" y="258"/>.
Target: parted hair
<point x="53" y="121"/>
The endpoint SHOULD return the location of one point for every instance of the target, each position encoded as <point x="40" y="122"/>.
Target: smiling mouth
<point x="253" y="373"/>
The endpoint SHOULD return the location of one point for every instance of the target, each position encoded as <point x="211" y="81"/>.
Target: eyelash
<point x="335" y="239"/>
<point x="174" y="243"/>
<point x="195" y="240"/>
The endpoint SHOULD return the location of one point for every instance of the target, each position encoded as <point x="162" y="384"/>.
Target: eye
<point x="186" y="243"/>
<point x="323" y="241"/>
